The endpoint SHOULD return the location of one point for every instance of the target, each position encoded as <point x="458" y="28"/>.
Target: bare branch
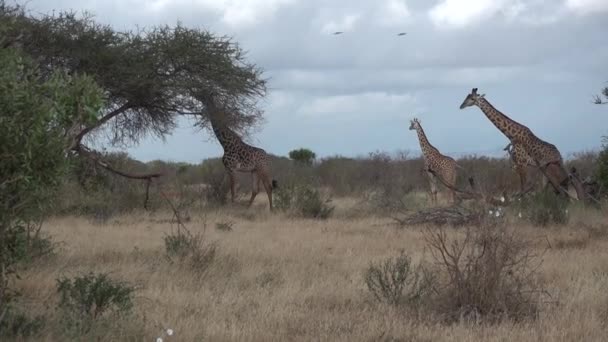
<point x="93" y="155"/>
<point x="100" y="122"/>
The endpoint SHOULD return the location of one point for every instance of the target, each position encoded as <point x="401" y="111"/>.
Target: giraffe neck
<point x="509" y="127"/>
<point x="227" y="138"/>
<point x="425" y="145"/>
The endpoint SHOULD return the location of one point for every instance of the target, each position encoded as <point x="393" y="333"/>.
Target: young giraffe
<point x="545" y="155"/>
<point x="241" y="157"/>
<point x="443" y="166"/>
<point x="521" y="161"/>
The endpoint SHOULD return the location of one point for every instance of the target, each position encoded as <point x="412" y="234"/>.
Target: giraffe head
<point x="472" y="99"/>
<point x="414" y="124"/>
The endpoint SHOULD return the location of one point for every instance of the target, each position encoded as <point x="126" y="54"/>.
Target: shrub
<point x="33" y="164"/>
<point x="489" y="273"/>
<point x="397" y="281"/>
<point x="545" y="208"/>
<point x="25" y="242"/>
<point x="303" y="200"/>
<point x="602" y="166"/>
<point x="311" y="204"/>
<point x="93" y="295"/>
<point x="224" y="226"/>
<point x="190" y="249"/>
<point x="214" y="175"/>
<point x="17" y="324"/>
<point x="303" y="155"/>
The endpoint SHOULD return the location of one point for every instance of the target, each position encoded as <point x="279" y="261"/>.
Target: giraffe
<point x="443" y="166"/>
<point x="240" y="156"/>
<point x="521" y="161"/>
<point x="545" y="155"/>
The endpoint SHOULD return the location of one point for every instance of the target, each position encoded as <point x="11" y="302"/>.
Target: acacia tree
<point x="149" y="77"/>
<point x="303" y="155"/>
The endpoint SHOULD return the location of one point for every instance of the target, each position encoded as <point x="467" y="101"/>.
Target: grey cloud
<point x="541" y="66"/>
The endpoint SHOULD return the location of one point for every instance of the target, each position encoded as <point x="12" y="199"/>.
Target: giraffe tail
<point x="275" y="184"/>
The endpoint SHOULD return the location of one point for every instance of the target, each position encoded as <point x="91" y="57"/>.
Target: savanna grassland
<point x="279" y="277"/>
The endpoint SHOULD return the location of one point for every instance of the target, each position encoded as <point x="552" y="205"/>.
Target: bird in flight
<point x="338" y="32"/>
<point x="401" y="33"/>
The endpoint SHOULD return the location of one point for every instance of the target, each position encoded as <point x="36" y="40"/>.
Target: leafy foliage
<point x="544" y="209"/>
<point x="150" y="76"/>
<point x="304" y="200"/>
<point x="84" y="300"/>
<point x="303" y="155"/>
<point x="36" y="115"/>
<point x="602" y="165"/>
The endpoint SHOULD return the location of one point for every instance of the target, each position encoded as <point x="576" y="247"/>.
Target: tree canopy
<point x="303" y="155"/>
<point x="149" y="77"/>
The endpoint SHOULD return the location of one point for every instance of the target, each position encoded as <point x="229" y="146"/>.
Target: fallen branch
<point x="453" y="216"/>
<point x="95" y="157"/>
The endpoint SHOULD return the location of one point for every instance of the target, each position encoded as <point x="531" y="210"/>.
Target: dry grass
<point x="277" y="278"/>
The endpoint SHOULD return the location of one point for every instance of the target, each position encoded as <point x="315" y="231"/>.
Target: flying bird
<point x="338" y="32"/>
<point x="401" y="33"/>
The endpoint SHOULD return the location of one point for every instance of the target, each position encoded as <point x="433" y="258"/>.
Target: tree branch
<point x="100" y="122"/>
<point x="93" y="155"/>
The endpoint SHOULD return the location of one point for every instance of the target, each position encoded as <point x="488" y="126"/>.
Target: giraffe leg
<point x="254" y="187"/>
<point x="453" y="198"/>
<point x="521" y="171"/>
<point x="268" y="187"/>
<point x="232" y="178"/>
<point x="433" y="187"/>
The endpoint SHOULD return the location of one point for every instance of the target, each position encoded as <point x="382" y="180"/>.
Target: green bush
<point x="16" y="324"/>
<point x="303" y="155"/>
<point x="94" y="295"/>
<point x="396" y="281"/>
<point x="26" y="243"/>
<point x="602" y="167"/>
<point x="545" y="208"/>
<point x="303" y="200"/>
<point x="34" y="164"/>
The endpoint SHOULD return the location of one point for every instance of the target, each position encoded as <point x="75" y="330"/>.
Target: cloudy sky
<point x="539" y="61"/>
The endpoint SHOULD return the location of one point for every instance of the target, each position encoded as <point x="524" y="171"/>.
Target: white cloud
<point x="461" y="13"/>
<point x="393" y="13"/>
<point x="345" y="23"/>
<point x="587" y="6"/>
<point x="234" y="13"/>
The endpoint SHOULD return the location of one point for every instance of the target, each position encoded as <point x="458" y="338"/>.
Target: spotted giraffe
<point x="441" y="165"/>
<point x="545" y="155"/>
<point x="521" y="161"/>
<point x="241" y="157"/>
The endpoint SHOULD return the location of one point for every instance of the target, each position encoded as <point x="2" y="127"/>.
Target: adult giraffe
<point x="440" y="165"/>
<point x="240" y="156"/>
<point x="545" y="155"/>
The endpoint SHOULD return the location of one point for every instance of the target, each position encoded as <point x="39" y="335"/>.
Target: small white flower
<point x="519" y="215"/>
<point x="497" y="214"/>
<point x="566" y="211"/>
<point x="170" y="332"/>
<point x="491" y="212"/>
<point x="502" y="199"/>
<point x="159" y="339"/>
